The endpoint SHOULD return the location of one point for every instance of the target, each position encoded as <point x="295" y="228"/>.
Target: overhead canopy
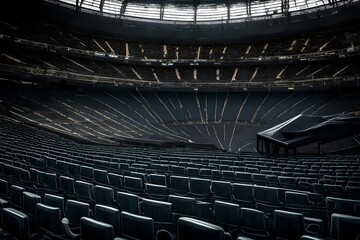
<point x="302" y="130"/>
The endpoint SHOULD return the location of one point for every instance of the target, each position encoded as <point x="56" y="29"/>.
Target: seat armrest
<point x="313" y="225"/>
<point x="65" y="223"/>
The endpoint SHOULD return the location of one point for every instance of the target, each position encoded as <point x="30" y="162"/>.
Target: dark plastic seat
<point x="221" y="190"/>
<point x="158" y="179"/>
<point x="29" y="201"/>
<point x="84" y="190"/>
<point x="67" y="184"/>
<point x="87" y="173"/>
<point x="115" y="181"/>
<point x="253" y="223"/>
<point x="55" y="201"/>
<point x="16" y="196"/>
<point x="101" y="176"/>
<point x="93" y="229"/>
<point x="159" y="211"/>
<point x="156" y="191"/>
<point x="108" y="215"/>
<point x="50" y="180"/>
<point x="16" y="223"/>
<point x="200" y="188"/>
<point x="75" y="210"/>
<point x="48" y="218"/>
<point x="104" y="195"/>
<point x="179" y="185"/>
<point x="227" y="215"/>
<point x="243" y="194"/>
<point x="193" y="229"/>
<point x="183" y="206"/>
<point x="128" y="202"/>
<point x="344" y="227"/>
<point x="130" y="225"/>
<point x="134" y="184"/>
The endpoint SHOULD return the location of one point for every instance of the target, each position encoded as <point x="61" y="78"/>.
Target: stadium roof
<point x="200" y="11"/>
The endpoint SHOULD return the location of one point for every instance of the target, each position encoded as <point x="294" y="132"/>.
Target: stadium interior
<point x="180" y="120"/>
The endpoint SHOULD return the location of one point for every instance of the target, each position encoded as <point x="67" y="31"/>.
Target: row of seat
<point x="110" y="222"/>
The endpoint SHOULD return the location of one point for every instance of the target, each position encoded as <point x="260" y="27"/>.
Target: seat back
<point x="179" y="184"/>
<point x="227" y="213"/>
<point x="243" y="194"/>
<point x="193" y="229"/>
<point x="344" y="227"/>
<point x="84" y="190"/>
<point x="104" y="195"/>
<point x="296" y="199"/>
<point x="288" y="225"/>
<point x="253" y="221"/>
<point x="67" y="184"/>
<point x="16" y="223"/>
<point x="128" y="202"/>
<point x="101" y="176"/>
<point x="49" y="218"/>
<point x="16" y="195"/>
<point x="221" y="189"/>
<point x="75" y="210"/>
<point x="93" y="229"/>
<point x="108" y="215"/>
<point x="182" y="205"/>
<point x="55" y="201"/>
<point x="157" y="210"/>
<point x="29" y="201"/>
<point x="130" y="226"/>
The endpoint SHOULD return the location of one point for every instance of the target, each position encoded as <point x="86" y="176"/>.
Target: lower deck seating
<point x="52" y="188"/>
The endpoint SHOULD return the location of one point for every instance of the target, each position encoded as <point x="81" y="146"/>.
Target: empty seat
<point x="287" y="182"/>
<point x="133" y="184"/>
<point x="253" y="223"/>
<point x="130" y="225"/>
<point x="227" y="215"/>
<point x="4" y="189"/>
<point x="243" y="194"/>
<point x="183" y="206"/>
<point x="101" y="176"/>
<point x="93" y="229"/>
<point x="104" y="195"/>
<point x="84" y="190"/>
<point x="193" y="229"/>
<point x="16" y="196"/>
<point x="200" y="188"/>
<point x="244" y="177"/>
<point x="55" y="201"/>
<point x="29" y="201"/>
<point x="291" y="225"/>
<point x="16" y="223"/>
<point x="296" y="199"/>
<point x="74" y="169"/>
<point x="180" y="170"/>
<point x="108" y="215"/>
<point x="75" y="210"/>
<point x="341" y="205"/>
<point x="221" y="190"/>
<point x="288" y="225"/>
<point x="344" y="227"/>
<point x="266" y="198"/>
<point x="159" y="211"/>
<point x="179" y="185"/>
<point x="67" y="184"/>
<point x="156" y="191"/>
<point x="128" y="202"/>
<point x="158" y="179"/>
<point x="49" y="218"/>
<point x="115" y="181"/>
<point x="50" y="180"/>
